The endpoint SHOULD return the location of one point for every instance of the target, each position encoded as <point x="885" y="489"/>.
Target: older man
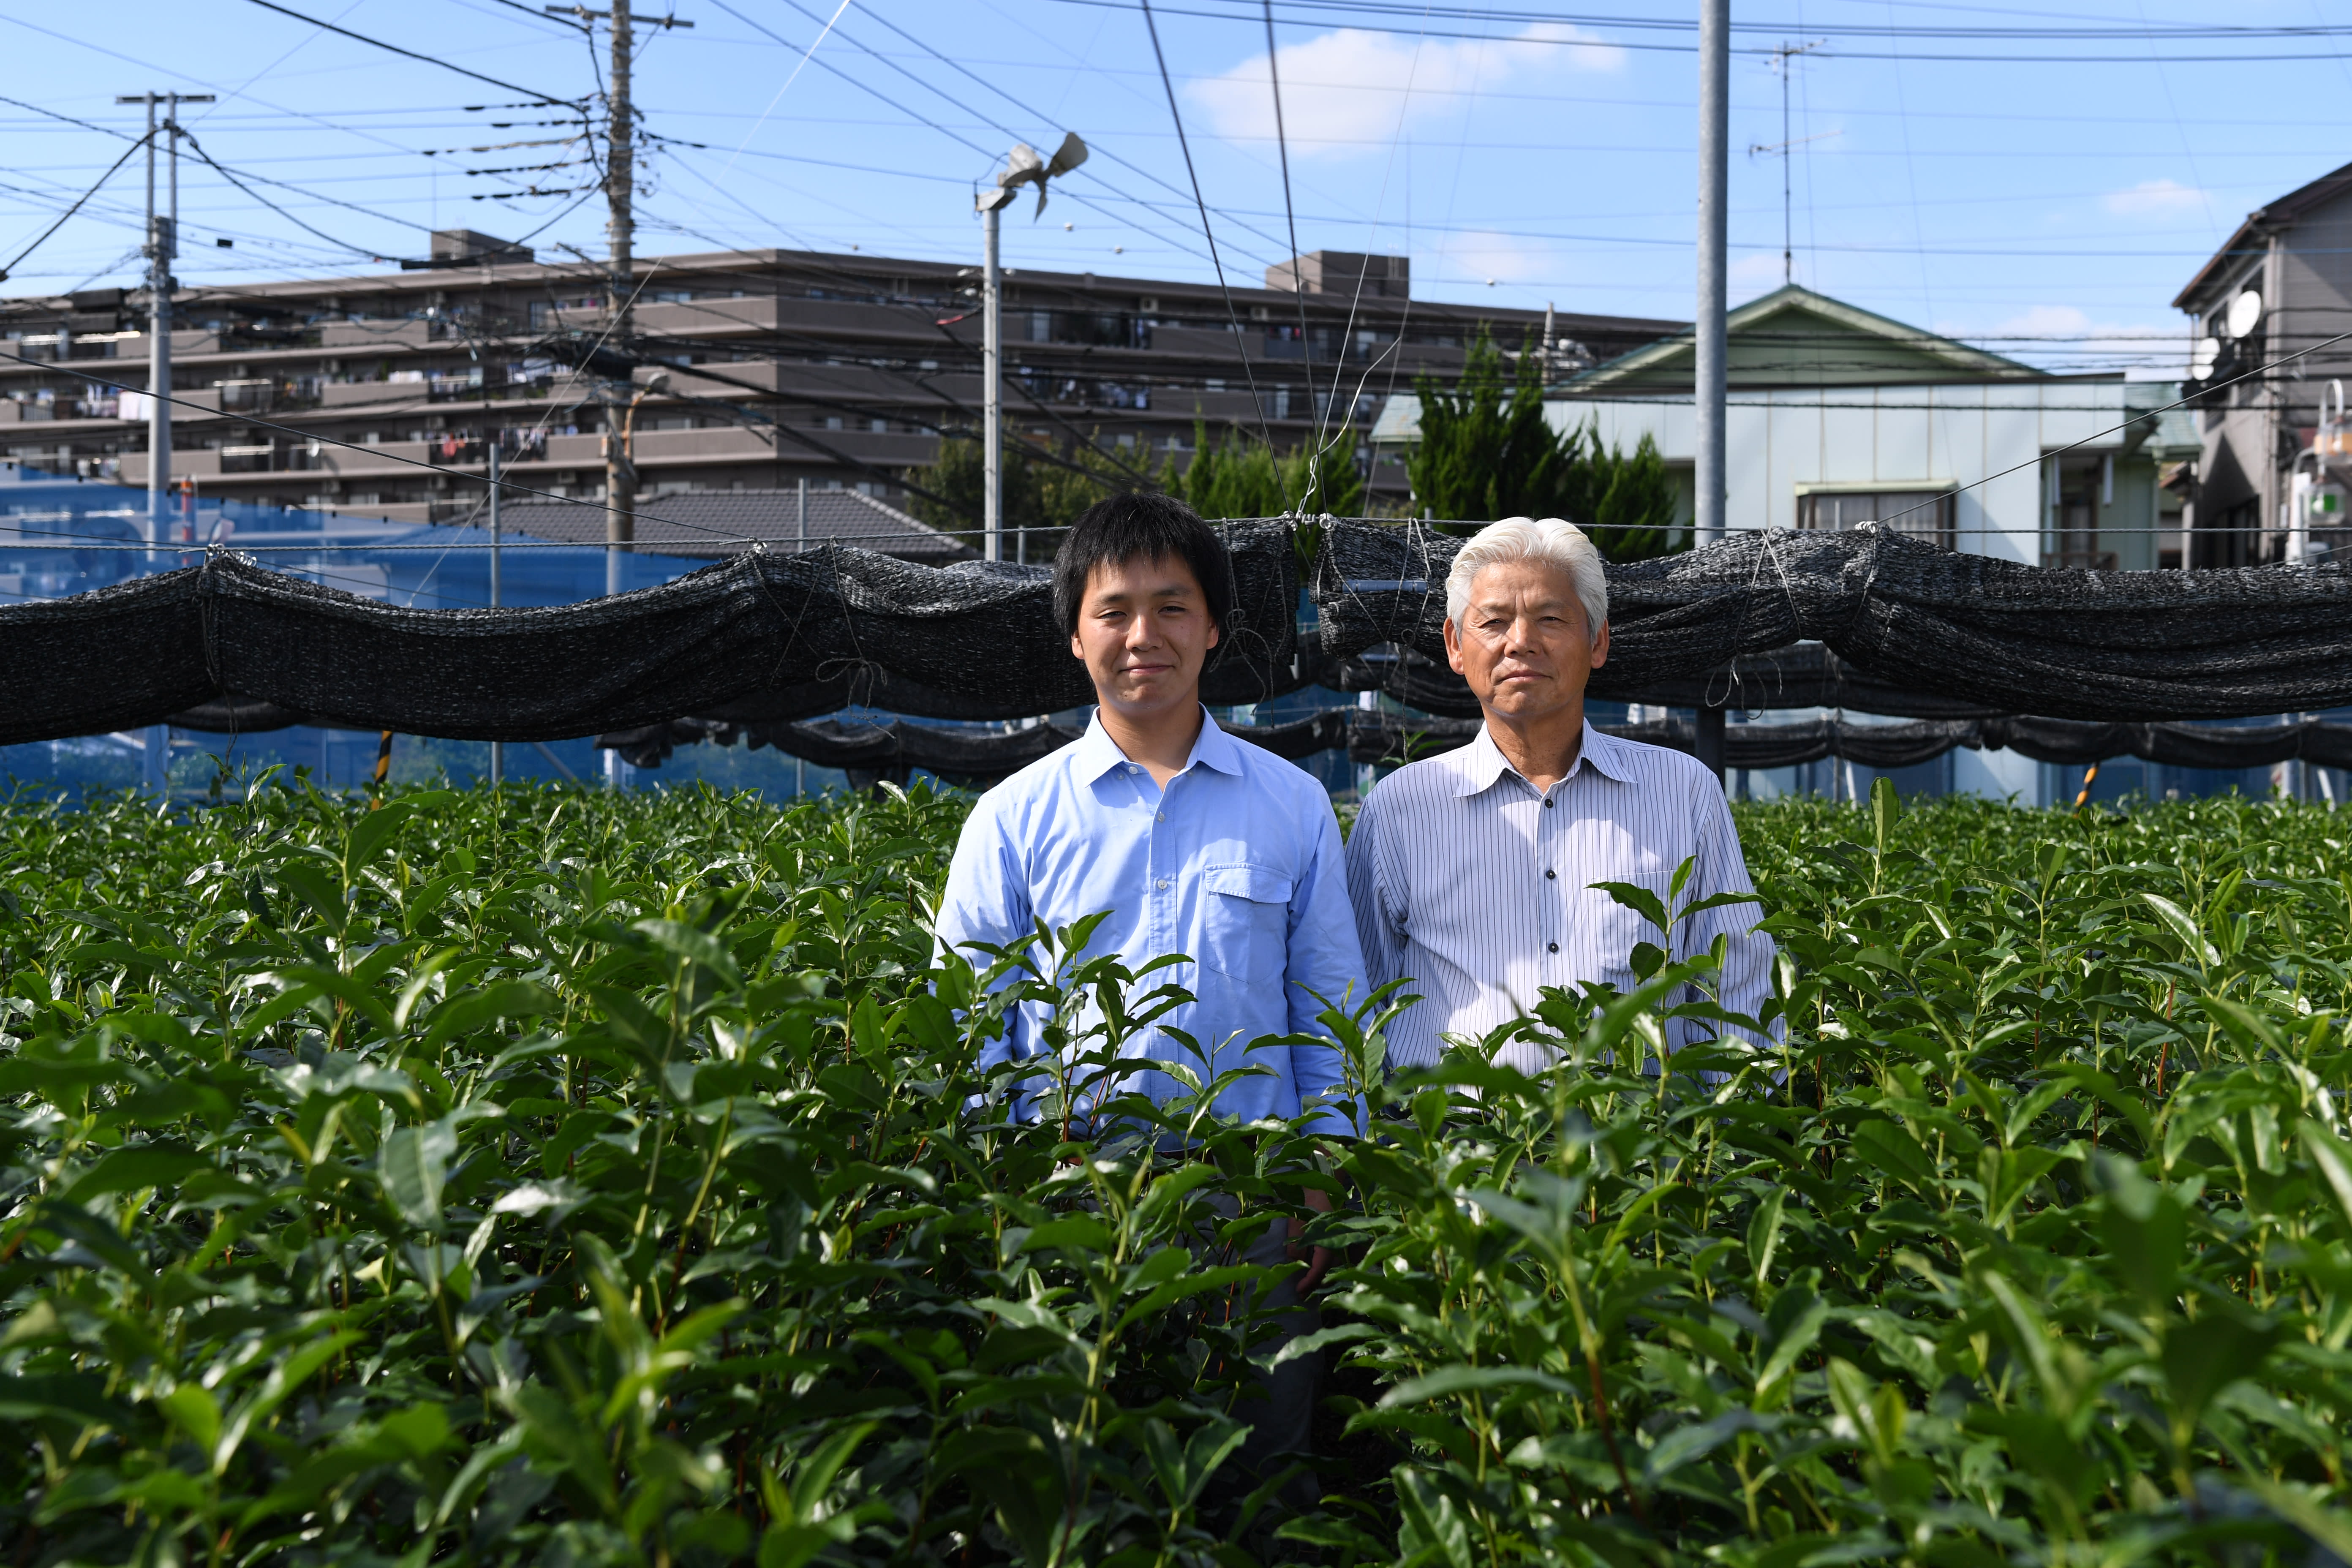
<point x="1472" y="873"/>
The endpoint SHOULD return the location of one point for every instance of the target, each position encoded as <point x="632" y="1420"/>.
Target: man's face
<point x="1144" y="631"/>
<point x="1523" y="644"/>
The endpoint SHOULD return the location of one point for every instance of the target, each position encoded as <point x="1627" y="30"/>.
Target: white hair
<point x="1552" y="540"/>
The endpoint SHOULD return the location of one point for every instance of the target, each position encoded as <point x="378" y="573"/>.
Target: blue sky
<point x="2050" y="207"/>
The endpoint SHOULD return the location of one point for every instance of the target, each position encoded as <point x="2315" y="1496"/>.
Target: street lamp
<point x="1022" y="166"/>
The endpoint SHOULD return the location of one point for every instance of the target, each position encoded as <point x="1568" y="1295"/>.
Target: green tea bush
<point x="551" y="1176"/>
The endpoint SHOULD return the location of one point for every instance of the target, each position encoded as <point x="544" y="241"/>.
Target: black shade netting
<point x="1908" y="616"/>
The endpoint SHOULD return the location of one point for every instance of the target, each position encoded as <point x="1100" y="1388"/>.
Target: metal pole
<point x="156" y="754"/>
<point x="799" y="524"/>
<point x="1714" y="165"/>
<point x="620" y="179"/>
<point x="498" y="748"/>
<point x="159" y="358"/>
<point x="992" y="390"/>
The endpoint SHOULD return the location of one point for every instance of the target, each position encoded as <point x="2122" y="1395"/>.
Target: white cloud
<point x="2065" y="337"/>
<point x="2045" y="321"/>
<point x="1345" y="89"/>
<point x="1477" y="255"/>
<point x="1757" y="274"/>
<point x="2156" y="198"/>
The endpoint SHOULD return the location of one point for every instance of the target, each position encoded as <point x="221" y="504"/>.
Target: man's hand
<point x="1319" y="1260"/>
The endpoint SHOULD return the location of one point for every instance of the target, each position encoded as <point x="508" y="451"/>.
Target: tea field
<point x="553" y="1177"/>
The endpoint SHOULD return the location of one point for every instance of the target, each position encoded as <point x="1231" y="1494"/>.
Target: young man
<point x="1196" y="843"/>
<point x="1473" y="872"/>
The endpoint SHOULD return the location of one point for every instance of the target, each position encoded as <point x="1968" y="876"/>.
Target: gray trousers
<point x="1280" y="1410"/>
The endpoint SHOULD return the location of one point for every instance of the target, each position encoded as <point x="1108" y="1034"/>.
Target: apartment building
<point x="744" y="371"/>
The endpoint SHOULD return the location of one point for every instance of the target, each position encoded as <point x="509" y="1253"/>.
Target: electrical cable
<point x="412" y="53"/>
<point x="865" y="49"/>
<point x="2149" y="414"/>
<point x="35" y="245"/>
<point x="1534" y="37"/>
<point x="1297" y="270"/>
<point x="1110" y="152"/>
<point x="377" y="452"/>
<point x="197" y="148"/>
<point x="1231" y="314"/>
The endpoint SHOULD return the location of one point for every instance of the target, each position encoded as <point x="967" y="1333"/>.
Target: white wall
<point x="1989" y="437"/>
<point x="1901" y="437"/>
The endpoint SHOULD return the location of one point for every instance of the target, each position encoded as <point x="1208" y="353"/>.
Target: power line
<point x="197" y="147"/>
<point x="1585" y="43"/>
<point x="412" y="53"/>
<point x="377" y="452"/>
<point x="1847" y="29"/>
<point x="1265" y="431"/>
<point x="1110" y="153"/>
<point x="85" y="196"/>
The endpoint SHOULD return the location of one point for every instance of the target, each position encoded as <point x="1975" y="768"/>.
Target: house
<point x="1837" y="414"/>
<point x="2280" y="287"/>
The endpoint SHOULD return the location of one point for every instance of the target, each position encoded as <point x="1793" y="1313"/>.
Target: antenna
<point x="1784" y="148"/>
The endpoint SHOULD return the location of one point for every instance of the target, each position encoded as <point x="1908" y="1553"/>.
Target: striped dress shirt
<point x="1477" y="886"/>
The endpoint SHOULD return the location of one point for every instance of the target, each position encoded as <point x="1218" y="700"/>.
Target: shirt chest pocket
<point x="1612" y="929"/>
<point x="1246" y="921"/>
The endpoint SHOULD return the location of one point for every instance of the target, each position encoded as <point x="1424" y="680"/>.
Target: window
<point x="1922" y="515"/>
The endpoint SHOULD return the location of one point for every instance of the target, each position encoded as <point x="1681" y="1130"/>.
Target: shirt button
<point x="1551" y="875"/>
<point x="1546" y="803"/>
<point x="1164" y="881"/>
<point x="1160" y="816"/>
<point x="1554" y="947"/>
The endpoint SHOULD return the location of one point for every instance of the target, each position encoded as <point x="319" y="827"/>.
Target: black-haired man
<point x="1196" y="843"/>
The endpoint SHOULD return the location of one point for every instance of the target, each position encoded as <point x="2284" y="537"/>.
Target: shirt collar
<point x="1477" y="765"/>
<point x="1098" y="753"/>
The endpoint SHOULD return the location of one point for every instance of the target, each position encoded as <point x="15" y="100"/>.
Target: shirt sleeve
<point x="1379" y="932"/>
<point x="1325" y="961"/>
<point x="1746" y="983"/>
<point x="987" y="900"/>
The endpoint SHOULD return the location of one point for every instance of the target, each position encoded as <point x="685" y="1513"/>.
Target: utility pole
<point x="162" y="247"/>
<point x="992" y="377"/>
<point x="620" y="229"/>
<point x="1709" y="393"/>
<point x="498" y="438"/>
<point x="620" y="287"/>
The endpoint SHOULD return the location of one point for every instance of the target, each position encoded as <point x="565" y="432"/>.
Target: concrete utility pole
<point x="992" y="378"/>
<point x="620" y="230"/>
<point x="620" y="287"/>
<point x="1713" y="164"/>
<point x="162" y="247"/>
<point x="498" y="748"/>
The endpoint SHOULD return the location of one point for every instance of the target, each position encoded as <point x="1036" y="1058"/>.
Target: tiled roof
<point x="718" y="522"/>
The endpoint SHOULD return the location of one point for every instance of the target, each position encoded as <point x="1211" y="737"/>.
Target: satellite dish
<point x="2246" y="313"/>
<point x="2202" y="357"/>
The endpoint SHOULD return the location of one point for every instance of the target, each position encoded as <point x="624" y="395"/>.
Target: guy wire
<point x="1298" y="277"/>
<point x="1231" y="314"/>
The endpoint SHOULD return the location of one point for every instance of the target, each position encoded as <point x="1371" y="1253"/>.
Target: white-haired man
<point x="1472" y="873"/>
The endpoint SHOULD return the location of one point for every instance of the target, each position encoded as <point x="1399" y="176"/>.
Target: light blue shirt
<point x="1236" y="865"/>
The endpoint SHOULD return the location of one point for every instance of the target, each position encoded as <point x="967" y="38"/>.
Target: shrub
<point x="557" y="1176"/>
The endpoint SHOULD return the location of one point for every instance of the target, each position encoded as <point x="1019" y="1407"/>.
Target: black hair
<point x="1141" y="528"/>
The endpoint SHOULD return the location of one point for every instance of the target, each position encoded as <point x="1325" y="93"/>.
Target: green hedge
<point x="557" y="1177"/>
